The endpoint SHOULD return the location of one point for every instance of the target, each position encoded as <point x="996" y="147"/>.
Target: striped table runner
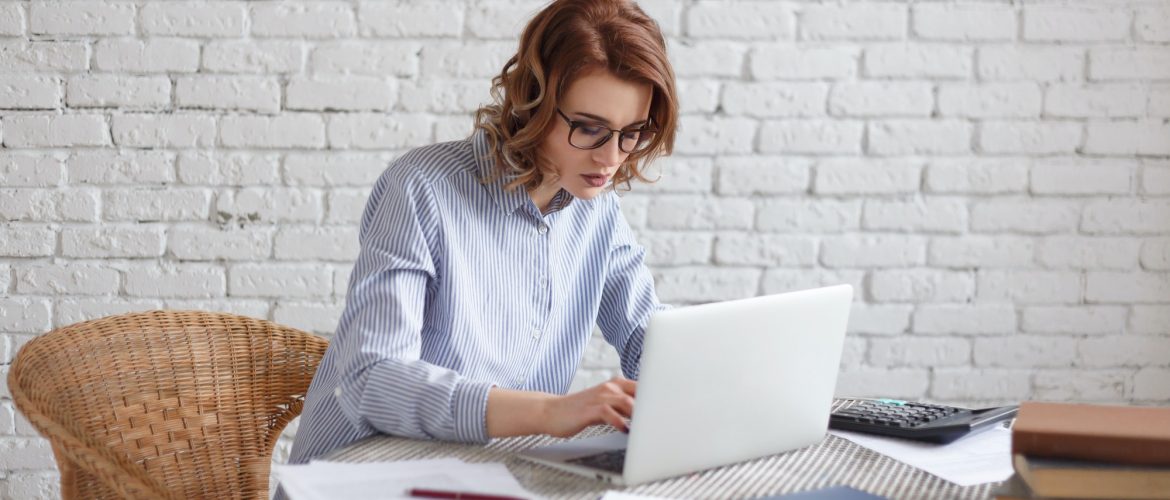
<point x="834" y="461"/>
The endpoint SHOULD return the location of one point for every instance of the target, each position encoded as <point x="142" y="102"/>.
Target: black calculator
<point x="917" y="421"/>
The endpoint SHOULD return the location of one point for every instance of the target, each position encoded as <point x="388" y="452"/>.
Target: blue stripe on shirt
<point x="461" y="286"/>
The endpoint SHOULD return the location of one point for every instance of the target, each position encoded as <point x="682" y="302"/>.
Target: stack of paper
<point x="979" y="458"/>
<point x="378" y="480"/>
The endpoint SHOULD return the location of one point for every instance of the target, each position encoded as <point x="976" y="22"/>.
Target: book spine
<point x="1097" y="448"/>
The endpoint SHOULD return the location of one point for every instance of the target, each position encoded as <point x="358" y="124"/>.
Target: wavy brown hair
<point x="566" y="40"/>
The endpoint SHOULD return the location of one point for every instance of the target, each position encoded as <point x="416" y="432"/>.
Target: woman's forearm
<point x="516" y="413"/>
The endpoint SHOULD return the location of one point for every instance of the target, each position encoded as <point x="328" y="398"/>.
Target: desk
<point x="832" y="462"/>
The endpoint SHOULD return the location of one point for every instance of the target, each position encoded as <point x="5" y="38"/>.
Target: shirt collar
<point x="508" y="201"/>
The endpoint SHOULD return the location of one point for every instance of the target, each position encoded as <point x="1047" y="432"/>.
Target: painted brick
<point x="747" y="20"/>
<point x="248" y="56"/>
<point x="957" y="319"/>
<point x="37" y="131"/>
<point x="1080" y="252"/>
<point x="1029" y="287"/>
<point x="999" y="100"/>
<point x="973" y="251"/>
<point x="918" y="60"/>
<point x="809" y="216"/>
<point x="348" y="94"/>
<point x="1141" y="137"/>
<point x="194" y="243"/>
<point x="1075" y="24"/>
<point x="849" y="176"/>
<point x="280" y="280"/>
<point x="810" y="136"/>
<point x="921" y="215"/>
<point x="378" y="131"/>
<point x="1088" y="320"/>
<point x="875" y="251"/>
<point x="176" y="281"/>
<point x="246" y="93"/>
<point x="332" y="244"/>
<point x="704" y="284"/>
<point x="863" y="21"/>
<point x="1030" y="62"/>
<point x="118" y="91"/>
<point x="921" y="286"/>
<point x="765" y="250"/>
<point x="391" y="58"/>
<point x="303" y="19"/>
<point x="290" y="130"/>
<point x="443" y="18"/>
<point x="67" y="279"/>
<point x="677" y="212"/>
<point x="1082" y="177"/>
<point x="744" y="175"/>
<point x="195" y="19"/>
<point x="229" y="169"/>
<point x="81" y="18"/>
<point x="31" y="170"/>
<point x="800" y="62"/>
<point x="1125" y="215"/>
<point x="107" y="167"/>
<point x="268" y="205"/>
<point x="919" y="137"/>
<point x="181" y="131"/>
<point x="43" y="56"/>
<point x="771" y="100"/>
<point x="1119" y="287"/>
<point x="715" y="136"/>
<point x="1039" y="138"/>
<point x="977" y="176"/>
<point x="1095" y="101"/>
<point x="1025" y="351"/>
<point x="964" y="22"/>
<point x="154" y="55"/>
<point x="30" y="92"/>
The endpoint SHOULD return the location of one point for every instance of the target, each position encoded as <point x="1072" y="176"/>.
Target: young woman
<point x="486" y="262"/>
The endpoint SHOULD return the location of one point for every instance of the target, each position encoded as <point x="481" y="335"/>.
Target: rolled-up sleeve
<point x="628" y="298"/>
<point x="384" y="384"/>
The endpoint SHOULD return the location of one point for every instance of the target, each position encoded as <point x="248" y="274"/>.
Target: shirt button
<point x="535" y="334"/>
<point x="337" y="392"/>
<point x="542" y="229"/>
<point x="543" y="282"/>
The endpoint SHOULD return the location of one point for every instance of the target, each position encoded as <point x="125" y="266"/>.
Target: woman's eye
<point x="590" y="129"/>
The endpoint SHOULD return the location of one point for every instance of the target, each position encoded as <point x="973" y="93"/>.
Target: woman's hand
<point x="521" y="413"/>
<point x="610" y="402"/>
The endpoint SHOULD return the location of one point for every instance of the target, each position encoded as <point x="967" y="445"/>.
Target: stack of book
<point x="1063" y="451"/>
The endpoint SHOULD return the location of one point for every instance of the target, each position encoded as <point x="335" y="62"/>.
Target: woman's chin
<point x="588" y="193"/>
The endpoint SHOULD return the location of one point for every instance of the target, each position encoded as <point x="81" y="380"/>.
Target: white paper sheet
<point x="983" y="457"/>
<point x="393" y="480"/>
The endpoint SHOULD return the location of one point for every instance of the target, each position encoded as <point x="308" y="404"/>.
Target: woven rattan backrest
<point x="180" y="404"/>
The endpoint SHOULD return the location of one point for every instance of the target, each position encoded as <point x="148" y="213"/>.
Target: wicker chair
<point x="165" y="404"/>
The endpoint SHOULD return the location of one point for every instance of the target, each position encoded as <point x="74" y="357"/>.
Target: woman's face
<point x="596" y="98"/>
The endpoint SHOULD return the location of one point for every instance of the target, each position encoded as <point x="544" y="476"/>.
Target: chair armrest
<point x="116" y="472"/>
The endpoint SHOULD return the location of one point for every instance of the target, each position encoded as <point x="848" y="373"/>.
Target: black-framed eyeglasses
<point x="590" y="135"/>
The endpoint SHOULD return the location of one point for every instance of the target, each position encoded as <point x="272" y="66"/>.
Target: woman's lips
<point x="595" y="180"/>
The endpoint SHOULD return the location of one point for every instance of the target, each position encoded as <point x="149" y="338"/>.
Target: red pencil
<point x="426" y="493"/>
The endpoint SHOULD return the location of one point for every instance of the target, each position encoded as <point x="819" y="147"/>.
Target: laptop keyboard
<point x="612" y="461"/>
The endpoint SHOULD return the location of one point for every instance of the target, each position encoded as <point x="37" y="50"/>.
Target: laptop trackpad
<point x="580" y="447"/>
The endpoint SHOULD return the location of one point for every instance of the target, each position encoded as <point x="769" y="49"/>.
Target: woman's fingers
<point x="622" y="403"/>
<point x="612" y="417"/>
<point x="625" y="385"/>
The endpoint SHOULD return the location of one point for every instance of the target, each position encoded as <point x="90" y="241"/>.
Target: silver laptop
<point x="722" y="383"/>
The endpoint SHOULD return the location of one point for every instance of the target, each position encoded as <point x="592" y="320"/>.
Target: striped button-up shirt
<point x="461" y="286"/>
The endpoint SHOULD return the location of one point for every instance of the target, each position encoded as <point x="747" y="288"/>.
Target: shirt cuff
<point x="469" y="406"/>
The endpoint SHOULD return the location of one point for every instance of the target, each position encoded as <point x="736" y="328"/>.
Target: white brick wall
<point x="992" y="177"/>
